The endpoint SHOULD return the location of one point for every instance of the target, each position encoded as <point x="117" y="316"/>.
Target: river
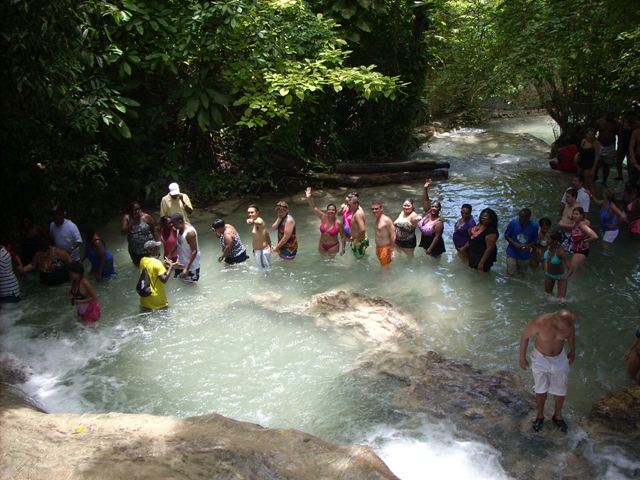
<point x="216" y="350"/>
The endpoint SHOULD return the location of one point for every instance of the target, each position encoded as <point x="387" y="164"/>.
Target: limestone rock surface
<point x="36" y="445"/>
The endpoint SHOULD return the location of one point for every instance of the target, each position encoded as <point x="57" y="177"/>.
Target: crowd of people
<point x="560" y="251"/>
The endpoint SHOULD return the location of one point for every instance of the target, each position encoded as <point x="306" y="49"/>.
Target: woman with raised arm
<point x="431" y="225"/>
<point x="581" y="236"/>
<point x="330" y="227"/>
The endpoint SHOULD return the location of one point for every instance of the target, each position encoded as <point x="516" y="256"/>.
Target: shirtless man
<point x="261" y="238"/>
<point x="359" y="239"/>
<point x="385" y="235"/>
<point x="549" y="362"/>
<point x="565" y="221"/>
<point x="607" y="129"/>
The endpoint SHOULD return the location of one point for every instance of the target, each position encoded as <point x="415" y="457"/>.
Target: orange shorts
<point x="384" y="255"/>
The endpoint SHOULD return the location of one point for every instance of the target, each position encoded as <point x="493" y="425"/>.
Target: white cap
<point x="174" y="189"/>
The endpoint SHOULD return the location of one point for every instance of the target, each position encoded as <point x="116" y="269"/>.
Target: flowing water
<point x="217" y="350"/>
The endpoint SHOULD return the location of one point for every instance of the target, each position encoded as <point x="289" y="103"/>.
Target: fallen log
<point x="409" y="166"/>
<point x="367" y="180"/>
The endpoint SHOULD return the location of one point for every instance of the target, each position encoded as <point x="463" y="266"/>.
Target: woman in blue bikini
<point x="557" y="267"/>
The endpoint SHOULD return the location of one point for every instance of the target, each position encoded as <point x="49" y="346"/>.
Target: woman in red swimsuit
<point x="330" y="227"/>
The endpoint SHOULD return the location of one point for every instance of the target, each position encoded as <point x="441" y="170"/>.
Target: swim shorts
<point x="608" y="154"/>
<point x="359" y="248"/>
<point x="90" y="313"/>
<point x="263" y="258"/>
<point x="237" y="259"/>
<point x="550" y="374"/>
<point x="384" y="255"/>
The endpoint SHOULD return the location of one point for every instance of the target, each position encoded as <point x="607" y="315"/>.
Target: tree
<point x="121" y="96"/>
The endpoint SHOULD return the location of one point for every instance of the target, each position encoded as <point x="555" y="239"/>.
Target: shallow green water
<point x="216" y="349"/>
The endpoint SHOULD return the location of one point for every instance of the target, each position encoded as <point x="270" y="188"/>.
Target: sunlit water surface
<point x="216" y="350"/>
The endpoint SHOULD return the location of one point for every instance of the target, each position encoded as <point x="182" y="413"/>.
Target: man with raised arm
<point x="549" y="362"/>
<point x="261" y="238"/>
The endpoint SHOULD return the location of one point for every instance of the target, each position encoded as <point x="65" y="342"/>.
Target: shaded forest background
<point x="104" y="102"/>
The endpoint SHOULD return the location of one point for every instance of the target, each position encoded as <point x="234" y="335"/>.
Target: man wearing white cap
<point x="176" y="202"/>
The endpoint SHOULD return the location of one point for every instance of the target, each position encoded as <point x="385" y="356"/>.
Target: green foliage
<point x="125" y="96"/>
<point x="581" y="55"/>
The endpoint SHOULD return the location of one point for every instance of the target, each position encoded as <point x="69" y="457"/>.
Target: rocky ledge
<point x="36" y="445"/>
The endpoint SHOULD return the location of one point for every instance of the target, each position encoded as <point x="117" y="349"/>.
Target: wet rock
<point x="36" y="445"/>
<point x="619" y="410"/>
<point x="13" y="370"/>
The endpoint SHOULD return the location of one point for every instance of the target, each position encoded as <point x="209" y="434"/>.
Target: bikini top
<point x="56" y="264"/>
<point x="555" y="260"/>
<point x="334" y="229"/>
<point x="542" y="241"/>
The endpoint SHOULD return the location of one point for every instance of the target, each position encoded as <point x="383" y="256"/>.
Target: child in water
<point x="82" y="294"/>
<point x="168" y="238"/>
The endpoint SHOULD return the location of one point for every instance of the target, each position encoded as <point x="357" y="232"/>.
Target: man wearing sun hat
<point x="176" y="202"/>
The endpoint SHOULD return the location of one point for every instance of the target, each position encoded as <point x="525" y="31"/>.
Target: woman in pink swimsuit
<point x="330" y="227"/>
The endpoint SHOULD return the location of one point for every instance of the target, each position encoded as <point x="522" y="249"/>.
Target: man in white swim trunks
<point x="549" y="362"/>
<point x="261" y="239"/>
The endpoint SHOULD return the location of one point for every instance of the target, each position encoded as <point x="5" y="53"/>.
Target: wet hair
<point x="131" y="206"/>
<point x="165" y="220"/>
<point x="609" y="194"/>
<point x="332" y="205"/>
<point x="556" y="235"/>
<point x="467" y="206"/>
<point x="218" y="223"/>
<point x="355" y="200"/>
<point x="579" y="209"/>
<point x="573" y="192"/>
<point x="87" y="230"/>
<point x="254" y="206"/>
<point x="544" y="222"/>
<point x="492" y="215"/>
<point x="76" y="267"/>
<point x="410" y="200"/>
<point x="177" y="217"/>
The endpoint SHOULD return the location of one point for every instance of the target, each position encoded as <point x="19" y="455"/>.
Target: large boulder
<point x="35" y="445"/>
<point x="619" y="410"/>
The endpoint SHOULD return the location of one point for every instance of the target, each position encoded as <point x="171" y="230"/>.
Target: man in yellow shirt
<point x="157" y="271"/>
<point x="176" y="202"/>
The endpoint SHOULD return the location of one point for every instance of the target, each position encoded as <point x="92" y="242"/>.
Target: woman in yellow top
<point x="157" y="271"/>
